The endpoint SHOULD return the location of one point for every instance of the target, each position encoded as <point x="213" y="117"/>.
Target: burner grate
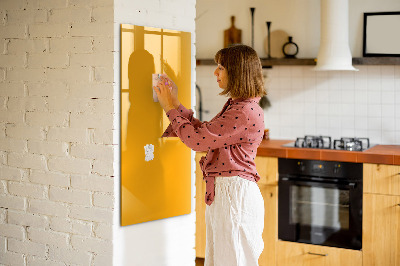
<point x="320" y="142"/>
<point x="324" y="142"/>
<point x="351" y="144"/>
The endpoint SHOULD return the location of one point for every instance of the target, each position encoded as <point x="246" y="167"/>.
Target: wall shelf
<point x="376" y="61"/>
<point x="312" y="61"/>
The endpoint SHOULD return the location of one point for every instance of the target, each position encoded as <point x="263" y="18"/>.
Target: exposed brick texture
<point x="56" y="122"/>
<point x="59" y="87"/>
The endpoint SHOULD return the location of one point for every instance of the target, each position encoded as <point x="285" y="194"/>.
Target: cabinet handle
<point x="318" y="254"/>
<point x="398" y="204"/>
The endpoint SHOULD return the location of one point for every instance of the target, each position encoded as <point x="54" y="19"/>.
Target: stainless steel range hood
<point x="334" y="51"/>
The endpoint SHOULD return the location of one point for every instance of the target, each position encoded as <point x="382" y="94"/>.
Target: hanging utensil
<point x="252" y="9"/>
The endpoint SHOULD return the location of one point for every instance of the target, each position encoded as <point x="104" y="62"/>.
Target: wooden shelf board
<point x="312" y="61"/>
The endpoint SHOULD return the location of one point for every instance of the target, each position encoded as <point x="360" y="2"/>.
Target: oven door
<point x="321" y="212"/>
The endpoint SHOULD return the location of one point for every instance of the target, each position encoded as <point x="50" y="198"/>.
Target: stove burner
<point x="351" y="144"/>
<point x="308" y="141"/>
<point x="324" y="142"/>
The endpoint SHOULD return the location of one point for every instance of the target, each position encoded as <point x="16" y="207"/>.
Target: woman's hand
<point x="174" y="90"/>
<point x="174" y="93"/>
<point x="164" y="94"/>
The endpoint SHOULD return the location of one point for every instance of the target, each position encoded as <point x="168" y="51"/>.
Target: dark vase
<point x="290" y="49"/>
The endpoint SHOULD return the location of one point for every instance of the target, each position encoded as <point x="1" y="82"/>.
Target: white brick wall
<point x="58" y="130"/>
<point x="28" y="219"/>
<point x="27" y="247"/>
<point x="56" y="127"/>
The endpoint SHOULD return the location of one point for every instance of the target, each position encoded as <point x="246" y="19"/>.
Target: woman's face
<point x="222" y="76"/>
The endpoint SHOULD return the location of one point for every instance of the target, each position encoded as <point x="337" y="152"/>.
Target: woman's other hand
<point x="164" y="94"/>
<point x="174" y="89"/>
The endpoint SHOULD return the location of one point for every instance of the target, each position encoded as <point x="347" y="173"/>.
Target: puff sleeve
<point x="188" y="114"/>
<point x="227" y="129"/>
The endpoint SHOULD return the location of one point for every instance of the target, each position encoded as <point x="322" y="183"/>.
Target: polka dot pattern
<point x="231" y="139"/>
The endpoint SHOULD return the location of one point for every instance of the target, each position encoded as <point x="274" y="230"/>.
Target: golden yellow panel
<point x="156" y="185"/>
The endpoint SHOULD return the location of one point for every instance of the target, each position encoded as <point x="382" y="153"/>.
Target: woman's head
<point x="240" y="72"/>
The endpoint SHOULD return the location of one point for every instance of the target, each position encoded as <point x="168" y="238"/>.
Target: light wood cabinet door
<point x="381" y="179"/>
<point x="381" y="230"/>
<point x="270" y="233"/>
<point x="298" y="254"/>
<point x="200" y="209"/>
<point x="267" y="168"/>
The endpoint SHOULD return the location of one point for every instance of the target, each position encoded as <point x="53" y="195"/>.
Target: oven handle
<point x="298" y="181"/>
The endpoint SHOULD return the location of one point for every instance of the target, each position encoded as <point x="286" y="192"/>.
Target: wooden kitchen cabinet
<point x="381" y="230"/>
<point x="270" y="233"/>
<point x="381" y="179"/>
<point x="267" y="167"/>
<point x="200" y="209"/>
<point x="381" y="215"/>
<point x="298" y="254"/>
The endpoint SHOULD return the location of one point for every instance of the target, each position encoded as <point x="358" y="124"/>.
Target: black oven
<point x="320" y="202"/>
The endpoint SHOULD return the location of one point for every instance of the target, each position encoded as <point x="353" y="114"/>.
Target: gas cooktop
<point x="325" y="142"/>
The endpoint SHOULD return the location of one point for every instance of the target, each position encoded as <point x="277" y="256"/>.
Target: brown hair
<point x="245" y="78"/>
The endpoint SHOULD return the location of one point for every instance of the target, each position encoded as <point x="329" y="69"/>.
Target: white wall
<point x="299" y="18"/>
<point x="169" y="241"/>
<point x="56" y="120"/>
<point x="338" y="104"/>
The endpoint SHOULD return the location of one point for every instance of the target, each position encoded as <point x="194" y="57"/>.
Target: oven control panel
<point x="330" y="169"/>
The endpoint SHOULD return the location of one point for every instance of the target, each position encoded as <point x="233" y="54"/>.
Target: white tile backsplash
<point x="348" y="95"/>
<point x="397" y="127"/>
<point x="361" y="124"/>
<point x="374" y="83"/>
<point x="348" y="132"/>
<point x="361" y="110"/>
<point x="388" y="110"/>
<point x="364" y="103"/>
<point x="387" y="124"/>
<point x="397" y="110"/>
<point x="388" y="97"/>
<point x="374" y="97"/>
<point x="397" y="94"/>
<point x="374" y="110"/>
<point x="347" y="110"/>
<point x="388" y="83"/>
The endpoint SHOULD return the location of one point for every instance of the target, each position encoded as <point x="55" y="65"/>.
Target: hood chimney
<point x="334" y="51"/>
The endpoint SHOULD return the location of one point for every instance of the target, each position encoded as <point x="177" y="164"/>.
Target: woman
<point x="235" y="207"/>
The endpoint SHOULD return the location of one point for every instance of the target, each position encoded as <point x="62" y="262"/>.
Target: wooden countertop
<point x="379" y="154"/>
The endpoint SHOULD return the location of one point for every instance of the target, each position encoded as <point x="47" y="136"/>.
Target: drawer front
<point x="381" y="179"/>
<point x="296" y="254"/>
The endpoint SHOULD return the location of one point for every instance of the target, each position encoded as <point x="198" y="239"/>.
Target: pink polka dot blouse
<point x="231" y="139"/>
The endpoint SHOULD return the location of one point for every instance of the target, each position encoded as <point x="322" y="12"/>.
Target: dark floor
<point x="199" y="262"/>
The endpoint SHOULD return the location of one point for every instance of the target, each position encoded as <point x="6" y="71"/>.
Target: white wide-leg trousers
<point x="234" y="223"/>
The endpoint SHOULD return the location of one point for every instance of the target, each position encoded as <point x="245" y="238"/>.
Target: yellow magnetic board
<point x="157" y="186"/>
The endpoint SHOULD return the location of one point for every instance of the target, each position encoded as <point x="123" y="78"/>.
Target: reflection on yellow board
<point x="152" y="187"/>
